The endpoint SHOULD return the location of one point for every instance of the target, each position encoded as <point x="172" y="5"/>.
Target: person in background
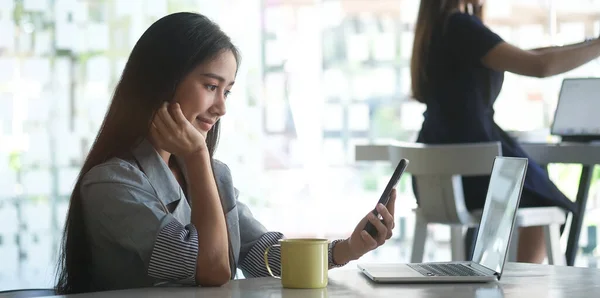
<point x="151" y="206"/>
<point x="457" y="70"/>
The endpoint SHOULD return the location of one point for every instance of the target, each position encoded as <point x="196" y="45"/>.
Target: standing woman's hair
<point x="431" y="14"/>
<point x="169" y="50"/>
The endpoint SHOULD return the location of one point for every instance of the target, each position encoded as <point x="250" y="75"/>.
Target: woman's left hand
<point x="360" y="242"/>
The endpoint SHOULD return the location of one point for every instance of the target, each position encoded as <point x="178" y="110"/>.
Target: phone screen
<point x="385" y="196"/>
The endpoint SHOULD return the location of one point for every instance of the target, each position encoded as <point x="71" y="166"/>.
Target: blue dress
<point x="460" y="107"/>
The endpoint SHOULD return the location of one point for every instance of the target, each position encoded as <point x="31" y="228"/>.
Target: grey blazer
<point x="135" y="241"/>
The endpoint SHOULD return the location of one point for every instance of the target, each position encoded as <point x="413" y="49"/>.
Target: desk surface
<point x="586" y="154"/>
<point x="542" y="153"/>
<point x="519" y="280"/>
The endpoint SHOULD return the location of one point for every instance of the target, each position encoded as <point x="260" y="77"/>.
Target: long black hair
<point x="431" y="13"/>
<point x="169" y="50"/>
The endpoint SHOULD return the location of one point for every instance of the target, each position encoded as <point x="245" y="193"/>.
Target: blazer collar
<point x="160" y="176"/>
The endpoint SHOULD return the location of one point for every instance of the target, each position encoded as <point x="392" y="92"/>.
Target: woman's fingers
<point x="165" y="116"/>
<point x="177" y="114"/>
<point x="159" y="124"/>
<point x="368" y="240"/>
<point x="362" y="223"/>
<point x="156" y="134"/>
<point x="388" y="219"/>
<point x="381" y="228"/>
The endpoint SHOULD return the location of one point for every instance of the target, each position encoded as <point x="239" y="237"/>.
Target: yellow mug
<point x="304" y="263"/>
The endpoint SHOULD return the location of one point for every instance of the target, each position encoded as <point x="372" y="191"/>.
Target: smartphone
<point x="385" y="196"/>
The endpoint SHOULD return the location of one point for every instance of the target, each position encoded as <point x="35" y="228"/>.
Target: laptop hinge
<point x="484" y="269"/>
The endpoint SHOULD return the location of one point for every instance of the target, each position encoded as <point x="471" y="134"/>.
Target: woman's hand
<point x="172" y="132"/>
<point x="360" y="242"/>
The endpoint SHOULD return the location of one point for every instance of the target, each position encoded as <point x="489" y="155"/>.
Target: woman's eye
<point x="227" y="92"/>
<point x="212" y="87"/>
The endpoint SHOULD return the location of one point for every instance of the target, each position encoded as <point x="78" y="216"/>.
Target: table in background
<point x="519" y="280"/>
<point x="585" y="154"/>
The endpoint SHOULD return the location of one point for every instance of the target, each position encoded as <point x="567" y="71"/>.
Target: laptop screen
<point x="502" y="201"/>
<point x="577" y="109"/>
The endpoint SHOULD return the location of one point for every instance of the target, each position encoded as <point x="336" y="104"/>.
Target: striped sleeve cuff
<point x="332" y="263"/>
<point x="175" y="253"/>
<point x="254" y="263"/>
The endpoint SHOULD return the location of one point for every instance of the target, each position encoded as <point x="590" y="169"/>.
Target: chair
<point x="26" y="293"/>
<point x="439" y="169"/>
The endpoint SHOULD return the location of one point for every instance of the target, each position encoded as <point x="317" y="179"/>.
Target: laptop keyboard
<point x="445" y="270"/>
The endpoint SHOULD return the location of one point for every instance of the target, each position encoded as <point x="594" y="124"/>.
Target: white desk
<point x="519" y="280"/>
<point x="586" y="154"/>
<point x="577" y="153"/>
<point x="542" y="153"/>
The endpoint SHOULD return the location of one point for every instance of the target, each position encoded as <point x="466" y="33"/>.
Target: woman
<point x="151" y="207"/>
<point x="457" y="71"/>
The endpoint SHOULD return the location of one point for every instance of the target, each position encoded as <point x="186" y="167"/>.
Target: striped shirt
<point x="137" y="241"/>
<point x="176" y="248"/>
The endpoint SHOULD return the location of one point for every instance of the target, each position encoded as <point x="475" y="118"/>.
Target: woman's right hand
<point x="172" y="132"/>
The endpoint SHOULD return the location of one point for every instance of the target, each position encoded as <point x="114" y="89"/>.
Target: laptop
<point x="575" y="118"/>
<point x="492" y="243"/>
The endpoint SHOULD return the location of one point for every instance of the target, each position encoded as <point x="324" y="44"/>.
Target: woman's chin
<point x="202" y="132"/>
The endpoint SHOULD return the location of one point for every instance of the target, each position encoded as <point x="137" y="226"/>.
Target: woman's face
<point x="203" y="92"/>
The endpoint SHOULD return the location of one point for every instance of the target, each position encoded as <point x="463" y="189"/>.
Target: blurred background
<point x="317" y="77"/>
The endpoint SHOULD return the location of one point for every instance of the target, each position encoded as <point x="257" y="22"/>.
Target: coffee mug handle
<point x="266" y="256"/>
